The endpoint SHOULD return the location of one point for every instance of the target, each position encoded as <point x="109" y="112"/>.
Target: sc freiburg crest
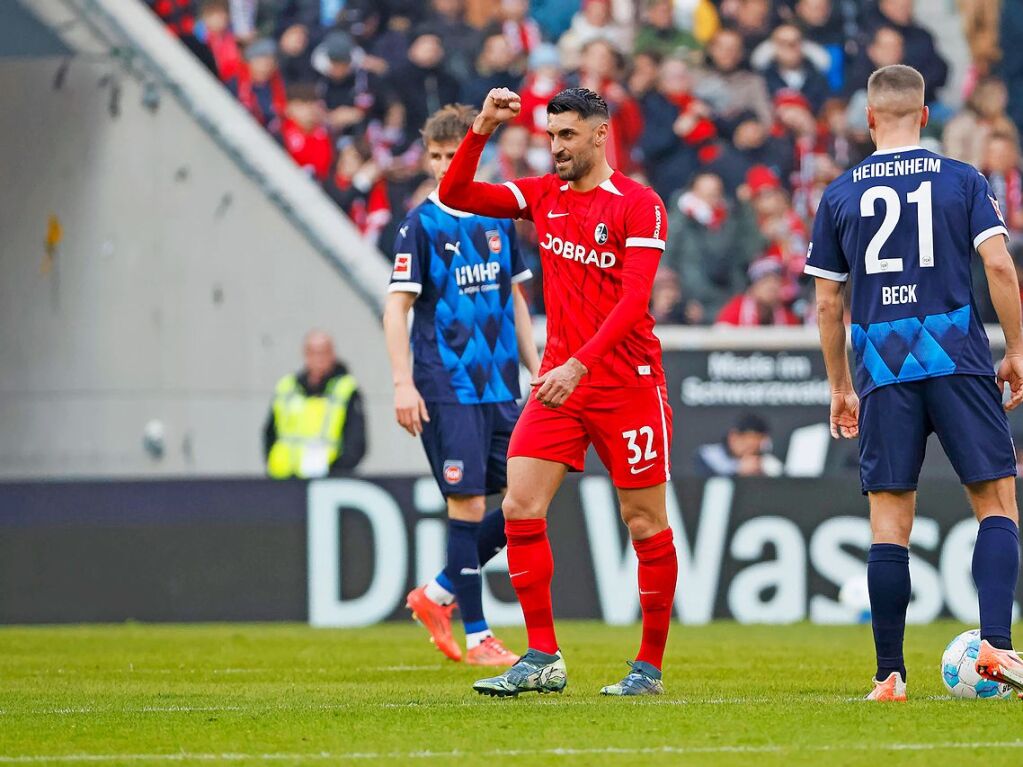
<point x="600" y="233"/>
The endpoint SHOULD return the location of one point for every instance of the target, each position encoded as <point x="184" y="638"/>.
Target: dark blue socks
<point x="889" y="587"/>
<point x="492" y="538"/>
<point x="463" y="572"/>
<point x="489" y="544"/>
<point x="995" y="571"/>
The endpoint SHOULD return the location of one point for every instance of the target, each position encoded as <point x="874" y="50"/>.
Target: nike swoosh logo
<point x="516" y="575"/>
<point x="552" y="214"/>
<point x="470" y="571"/>
<point x="634" y="470"/>
<point x="644" y="593"/>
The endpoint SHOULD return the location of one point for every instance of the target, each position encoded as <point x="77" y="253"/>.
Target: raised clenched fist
<point x="501" y="105"/>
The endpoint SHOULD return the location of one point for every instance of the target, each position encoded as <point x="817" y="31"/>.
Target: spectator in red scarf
<point x="784" y="231"/>
<point x="214" y="28"/>
<point x="761" y="303"/>
<point x="676" y="127"/>
<point x="600" y="69"/>
<point x="523" y="34"/>
<point x="795" y="123"/>
<point x="259" y="85"/>
<point x="359" y="188"/>
<point x="712" y="242"/>
<point x="543" y="80"/>
<point x="1001" y="166"/>
<point x="304" y="132"/>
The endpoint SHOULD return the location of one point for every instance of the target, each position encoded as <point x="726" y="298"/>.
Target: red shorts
<point x="630" y="428"/>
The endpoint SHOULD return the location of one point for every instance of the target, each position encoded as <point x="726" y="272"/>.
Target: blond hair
<point x="896" y="90"/>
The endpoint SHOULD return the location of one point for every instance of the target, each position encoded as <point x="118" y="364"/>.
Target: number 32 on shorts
<point x="636" y="453"/>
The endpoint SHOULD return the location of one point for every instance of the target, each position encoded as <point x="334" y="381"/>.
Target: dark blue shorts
<point x="467" y="446"/>
<point x="966" y="413"/>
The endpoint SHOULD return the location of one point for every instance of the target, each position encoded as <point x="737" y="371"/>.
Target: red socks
<point x="531" y="567"/>
<point x="658" y="574"/>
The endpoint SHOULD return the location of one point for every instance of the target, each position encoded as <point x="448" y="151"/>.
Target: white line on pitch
<point x="396" y="755"/>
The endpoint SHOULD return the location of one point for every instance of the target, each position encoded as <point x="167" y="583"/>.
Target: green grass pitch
<point x="287" y="694"/>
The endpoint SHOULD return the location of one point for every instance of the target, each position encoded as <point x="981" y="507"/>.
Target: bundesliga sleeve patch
<point x="402" y="266"/>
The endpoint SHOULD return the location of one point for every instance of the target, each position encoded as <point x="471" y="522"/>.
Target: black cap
<point x="338" y="46"/>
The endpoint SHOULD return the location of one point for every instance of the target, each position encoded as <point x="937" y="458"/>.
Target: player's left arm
<point x="646" y="228"/>
<point x="523" y="321"/>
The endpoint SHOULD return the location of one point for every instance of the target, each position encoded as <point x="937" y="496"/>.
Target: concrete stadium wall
<point x="179" y="291"/>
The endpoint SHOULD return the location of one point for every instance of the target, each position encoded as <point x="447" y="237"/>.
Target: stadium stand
<point x="739" y="112"/>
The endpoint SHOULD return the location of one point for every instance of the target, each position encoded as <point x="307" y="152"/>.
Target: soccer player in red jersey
<point x="601" y="237"/>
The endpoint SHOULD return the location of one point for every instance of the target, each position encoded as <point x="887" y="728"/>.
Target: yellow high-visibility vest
<point x="309" y="428"/>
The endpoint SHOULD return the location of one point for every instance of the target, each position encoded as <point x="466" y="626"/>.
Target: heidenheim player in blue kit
<point x="471" y="328"/>
<point x="902" y="227"/>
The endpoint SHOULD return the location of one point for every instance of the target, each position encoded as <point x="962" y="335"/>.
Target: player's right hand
<point x="500" y="105"/>
<point x="1011" y="372"/>
<point x="845" y="415"/>
<point x="410" y="409"/>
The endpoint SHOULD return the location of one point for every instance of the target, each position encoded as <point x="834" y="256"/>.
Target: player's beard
<point x="574" y="169"/>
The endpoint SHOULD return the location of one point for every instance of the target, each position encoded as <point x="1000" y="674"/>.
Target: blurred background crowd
<point x="738" y="112"/>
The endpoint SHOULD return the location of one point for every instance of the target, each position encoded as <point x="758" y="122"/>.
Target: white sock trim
<point x="476" y="638"/>
<point x="438" y="594"/>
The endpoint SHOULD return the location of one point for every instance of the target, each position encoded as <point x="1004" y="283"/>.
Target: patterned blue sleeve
<point x="825" y="257"/>
<point x="520" y="272"/>
<point x="411" y="257"/>
<point x="985" y="216"/>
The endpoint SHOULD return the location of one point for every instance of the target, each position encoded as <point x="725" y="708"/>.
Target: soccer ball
<point x="959" y="671"/>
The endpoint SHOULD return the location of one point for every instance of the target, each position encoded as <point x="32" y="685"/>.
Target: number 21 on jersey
<point x="921" y="197"/>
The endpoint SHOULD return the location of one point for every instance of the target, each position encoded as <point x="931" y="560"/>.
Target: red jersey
<point x="599" y="251"/>
<point x="310" y="149"/>
<point x="743" y="311"/>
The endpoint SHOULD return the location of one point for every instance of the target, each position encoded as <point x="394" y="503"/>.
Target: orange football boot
<point x="436" y="619"/>
<point x="1002" y="666"/>
<point x="891" y="690"/>
<point x="490" y="652"/>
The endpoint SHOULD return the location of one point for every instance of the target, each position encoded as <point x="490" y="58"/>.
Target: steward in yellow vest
<point x="316" y="426"/>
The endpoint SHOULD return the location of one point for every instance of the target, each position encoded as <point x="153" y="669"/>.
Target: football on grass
<point x="959" y="672"/>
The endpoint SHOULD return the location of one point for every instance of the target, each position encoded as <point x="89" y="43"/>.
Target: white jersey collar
<point x="435" y="199"/>
<point x="897" y="149"/>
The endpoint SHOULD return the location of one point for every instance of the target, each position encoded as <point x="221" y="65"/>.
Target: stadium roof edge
<point x="147" y="52"/>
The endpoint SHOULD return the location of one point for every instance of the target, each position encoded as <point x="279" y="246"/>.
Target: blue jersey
<point x="903" y="225"/>
<point x="462" y="267"/>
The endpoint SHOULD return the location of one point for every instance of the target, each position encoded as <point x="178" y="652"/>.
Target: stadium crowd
<point x="738" y="112"/>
